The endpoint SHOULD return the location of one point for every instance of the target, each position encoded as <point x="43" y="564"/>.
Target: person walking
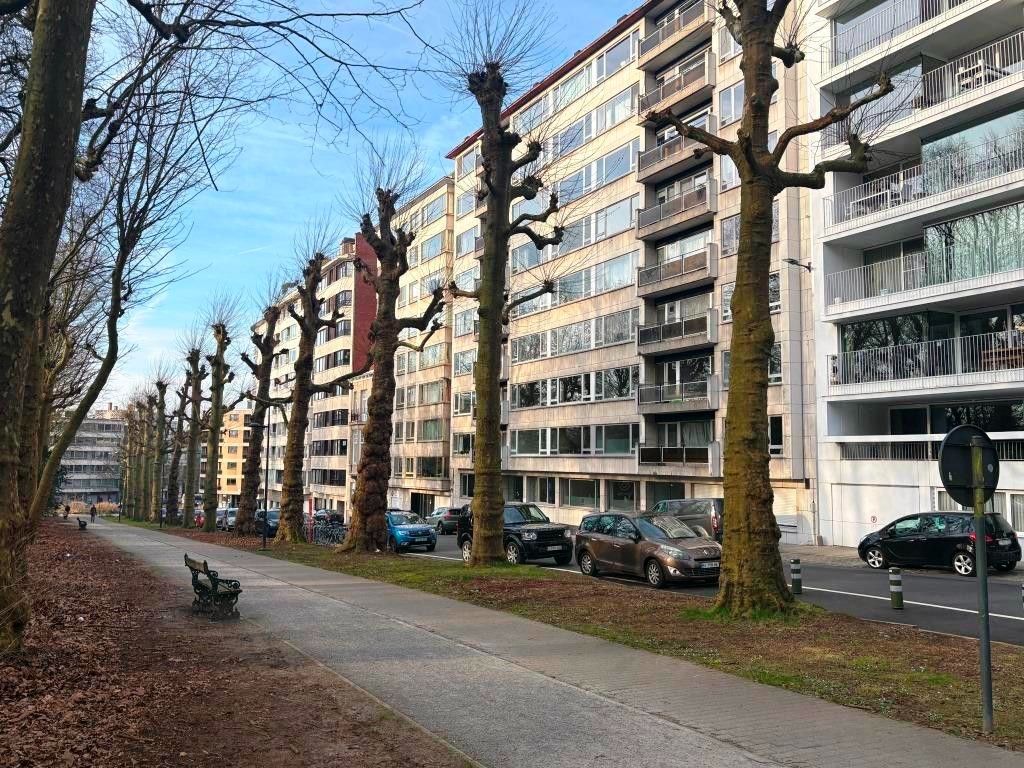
<point x="67" y="511"/>
<point x="92" y="514"/>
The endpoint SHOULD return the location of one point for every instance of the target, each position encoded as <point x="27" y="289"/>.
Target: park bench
<point x="215" y="597"/>
<point x="81" y="524"/>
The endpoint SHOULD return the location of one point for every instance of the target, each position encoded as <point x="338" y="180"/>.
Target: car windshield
<point x="525" y="513"/>
<point x="664" y="527"/>
<point x="404" y="518"/>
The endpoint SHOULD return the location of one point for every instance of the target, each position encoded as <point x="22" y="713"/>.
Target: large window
<point x="467" y="163"/>
<point x="580" y="493"/>
<point x="463" y="403"/>
<point x="431" y="430"/>
<point x="774" y="297"/>
<point x="465" y="322"/>
<point x="528" y="442"/>
<point x="431" y="392"/>
<point x="433" y="210"/>
<point x="462" y="362"/>
<point x="533" y="346"/>
<point x="462" y="444"/>
<point x="730" y="104"/>
<point x="431" y="247"/>
<point x="774" y="435"/>
<point x="540" y="490"/>
<point x="466" y="241"/>
<point x="466" y="484"/>
<point x="465" y="203"/>
<point x="622" y="495"/>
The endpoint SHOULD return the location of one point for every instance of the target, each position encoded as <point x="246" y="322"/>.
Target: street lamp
<point x="266" y="482"/>
<point x="794" y="263"/>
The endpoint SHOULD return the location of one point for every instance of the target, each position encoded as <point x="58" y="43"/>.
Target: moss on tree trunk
<point x="219" y="377"/>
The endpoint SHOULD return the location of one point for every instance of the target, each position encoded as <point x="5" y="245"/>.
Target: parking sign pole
<point x="981" y="569"/>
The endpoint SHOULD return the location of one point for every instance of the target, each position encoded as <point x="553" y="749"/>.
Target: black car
<point x="528" y="535"/>
<point x="942" y="540"/>
<point x="273" y="519"/>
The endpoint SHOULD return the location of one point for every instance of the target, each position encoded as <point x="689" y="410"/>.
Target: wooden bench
<point x="215" y="597"/>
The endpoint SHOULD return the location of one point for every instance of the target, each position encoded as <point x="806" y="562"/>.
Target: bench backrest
<point x="197" y="565"/>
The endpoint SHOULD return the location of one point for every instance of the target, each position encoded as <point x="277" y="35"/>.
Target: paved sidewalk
<point x="808" y="553"/>
<point x="514" y="693"/>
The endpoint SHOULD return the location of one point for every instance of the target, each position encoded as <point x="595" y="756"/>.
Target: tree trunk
<point x="158" y="451"/>
<point x="245" y="522"/>
<point x="290" y="525"/>
<point x="218" y="379"/>
<point x="140" y="466"/>
<point x="196" y="375"/>
<point x="176" y="449"/>
<point x="147" y="460"/>
<point x="34" y="212"/>
<point x="752" y="578"/>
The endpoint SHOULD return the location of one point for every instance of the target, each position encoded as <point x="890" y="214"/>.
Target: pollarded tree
<point x="220" y="376"/>
<point x="177" y="447"/>
<point x="159" y="446"/>
<point x="752" y="576"/>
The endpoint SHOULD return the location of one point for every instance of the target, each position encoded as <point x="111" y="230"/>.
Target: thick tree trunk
<point x="146" y="505"/>
<point x="158" y="452"/>
<point x="196" y="375"/>
<point x="173" y="477"/>
<point x="31" y="440"/>
<point x="752" y="579"/>
<point x="218" y="379"/>
<point x="29" y="232"/>
<point x="245" y="522"/>
<point x="290" y="526"/>
<point x="140" y="468"/>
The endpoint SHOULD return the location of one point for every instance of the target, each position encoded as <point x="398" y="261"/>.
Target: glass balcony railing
<point x="672" y="148"/>
<point x="675" y="455"/>
<point x="674" y="393"/>
<point x="966" y="171"/>
<point x="692" y="199"/>
<point x="688" y="17"/>
<point x="922" y="269"/>
<point x="688" y="263"/>
<point x="693" y="73"/>
<point x="967" y="75"/>
<point x="693" y="325"/>
<point x="979" y="359"/>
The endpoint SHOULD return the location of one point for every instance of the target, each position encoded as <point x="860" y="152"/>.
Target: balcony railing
<point x="682" y="265"/>
<point x="923" y="269"/>
<point x="917" y="450"/>
<point x="979" y="359"/>
<point x="695" y="14"/>
<point x="695" y="75"/>
<point x="880" y="28"/>
<point x="671" y="148"/>
<point x="970" y="170"/>
<point x="679" y="455"/>
<point x="696" y="197"/>
<point x="674" y="393"/>
<point x="969" y="74"/>
<point x="691" y="325"/>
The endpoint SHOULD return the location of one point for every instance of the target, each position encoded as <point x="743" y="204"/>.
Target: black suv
<point x="941" y="539"/>
<point x="528" y="535"/>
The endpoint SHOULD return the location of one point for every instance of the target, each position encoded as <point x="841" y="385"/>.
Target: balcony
<point x="679" y="398"/>
<point x="702" y="461"/>
<point x="988" y="78"/>
<point x="688" y="209"/>
<point x="691" y="332"/>
<point x="994" y="169"/>
<point x="672" y="157"/>
<point x="980" y="361"/>
<point x="680" y="34"/>
<point x="687" y="271"/>
<point x="685" y="91"/>
<point x="924" y="276"/>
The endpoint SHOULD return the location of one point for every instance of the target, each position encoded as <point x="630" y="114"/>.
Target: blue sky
<point x="282" y="177"/>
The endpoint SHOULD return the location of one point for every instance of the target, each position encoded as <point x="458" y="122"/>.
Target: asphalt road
<point x="934" y="600"/>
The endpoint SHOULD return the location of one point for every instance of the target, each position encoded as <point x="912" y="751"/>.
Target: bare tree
<point x="177" y="447"/>
<point x="393" y="171"/>
<point x="222" y="316"/>
<point x="196" y="372"/>
<point x="497" y="41"/>
<point x="752" y="576"/>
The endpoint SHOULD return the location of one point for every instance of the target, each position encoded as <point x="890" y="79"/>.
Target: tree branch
<point x="716" y="144"/>
<point x="420" y="323"/>
<point x="815" y="178"/>
<point x="540" y="240"/>
<point x="420" y="347"/>
<point x="533" y="150"/>
<point x="547" y="286"/>
<point x="343" y="380"/>
<point x="543" y="216"/>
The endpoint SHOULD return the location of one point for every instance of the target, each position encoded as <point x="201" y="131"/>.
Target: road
<point x="934" y="600"/>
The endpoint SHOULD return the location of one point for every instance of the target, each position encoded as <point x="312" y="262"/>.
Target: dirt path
<point x="117" y="672"/>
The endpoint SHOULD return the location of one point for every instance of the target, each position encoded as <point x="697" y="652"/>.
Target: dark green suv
<point x="528" y="535"/>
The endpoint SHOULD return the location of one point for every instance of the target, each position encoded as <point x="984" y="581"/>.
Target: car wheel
<point x="392" y="546"/>
<point x="467" y="550"/>
<point x="440" y="529"/>
<point x="963" y="563"/>
<point x="1006" y="567"/>
<point x="514" y="553"/>
<point x="874" y="557"/>
<point x="431" y="547"/>
<point x="587" y="565"/>
<point x="563" y="559"/>
<point x="654" y="573"/>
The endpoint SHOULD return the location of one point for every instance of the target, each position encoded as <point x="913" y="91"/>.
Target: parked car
<point x="446" y="519"/>
<point x="659" y="548"/>
<point x="528" y="535"/>
<point x="330" y="516"/>
<point x="408" y="530"/>
<point x="226" y="518"/>
<point x="704" y="516"/>
<point x="941" y="540"/>
<point x="273" y="518"/>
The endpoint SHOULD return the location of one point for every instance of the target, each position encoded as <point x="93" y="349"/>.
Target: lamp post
<point x="266" y="482"/>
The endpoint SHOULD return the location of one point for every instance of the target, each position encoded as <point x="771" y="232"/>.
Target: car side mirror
<point x="637" y="537"/>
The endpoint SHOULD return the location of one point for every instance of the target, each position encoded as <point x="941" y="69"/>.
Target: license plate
<point x="709" y="565"/>
<point x="420" y="541"/>
<point x="1004" y="542"/>
<point x="555" y="549"/>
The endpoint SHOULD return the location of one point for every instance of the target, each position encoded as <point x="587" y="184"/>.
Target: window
<point x="433" y="210"/>
<point x="465" y="322"/>
<point x="431" y="392"/>
<point x="540" y="490"/>
<point x="466" y="483"/>
<point x="467" y="163"/>
<point x="615" y="58"/>
<point x="466" y="281"/>
<point x="622" y="495"/>
<point x="774" y="435"/>
<point x="616" y="438"/>
<point x="571" y="441"/>
<point x="431" y="356"/>
<point x="462" y="444"/>
<point x="513" y="488"/>
<point x="466" y="241"/>
<point x="431" y="248"/>
<point x="431" y="430"/>
<point x="465" y="203"/>
<point x="616" y="383"/>
<point x="730" y="235"/>
<point x="463" y="403"/>
<point x="730" y="104"/>
<point x="570" y="389"/>
<point x="727" y="291"/>
<point x="727" y="45"/>
<point x="775" y="365"/>
<point x="580" y="493"/>
<point x="774" y="293"/>
<point x="530" y="347"/>
<point x="462" y="362"/>
<point x="528" y="442"/>
<point x="730" y="174"/>
<point x="571" y="338"/>
<point x="614" y="274"/>
<point x="529" y="394"/>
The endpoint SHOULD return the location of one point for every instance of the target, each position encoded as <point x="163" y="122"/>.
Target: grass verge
<point x="895" y="671"/>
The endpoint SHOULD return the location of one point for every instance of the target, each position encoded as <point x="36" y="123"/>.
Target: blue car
<point x="407" y="530"/>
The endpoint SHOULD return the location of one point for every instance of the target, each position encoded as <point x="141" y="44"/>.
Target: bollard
<point x="797" y="576"/>
<point x="896" y="588"/>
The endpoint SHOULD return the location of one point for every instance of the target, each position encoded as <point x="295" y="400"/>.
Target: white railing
<point x="969" y="74"/>
<point x="696" y="13"/>
<point x="693" y="72"/>
<point x="881" y="27"/>
<point x="688" y="263"/>
<point x="918" y="450"/>
<point x="982" y="358"/>
<point x="696" y="197"/>
<point x="690" y="325"/>
<point x="674" y="393"/>
<point x="967" y="171"/>
<point x="941" y="265"/>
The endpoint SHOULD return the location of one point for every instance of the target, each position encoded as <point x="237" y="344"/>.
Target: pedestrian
<point x="92" y="514"/>
<point x="67" y="511"/>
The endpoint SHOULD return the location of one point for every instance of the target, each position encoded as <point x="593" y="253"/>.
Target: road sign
<point x="955" y="468"/>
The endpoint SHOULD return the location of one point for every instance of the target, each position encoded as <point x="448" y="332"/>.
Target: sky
<point x="284" y="176"/>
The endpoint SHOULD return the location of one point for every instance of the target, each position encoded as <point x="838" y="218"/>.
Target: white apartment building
<point x="92" y="463"/>
<point x="919" y="263"/>
<point x="616" y="385"/>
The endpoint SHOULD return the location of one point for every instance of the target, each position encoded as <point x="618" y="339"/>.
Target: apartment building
<point x="234" y="442"/>
<point x="339" y="348"/>
<point x="919" y="263"/>
<point x="616" y="384"/>
<point x="92" y="463"/>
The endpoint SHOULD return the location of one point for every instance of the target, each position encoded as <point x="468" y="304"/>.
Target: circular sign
<point x="955" y="465"/>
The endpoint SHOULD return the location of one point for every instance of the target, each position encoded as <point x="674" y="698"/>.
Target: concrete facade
<point x="92" y="463"/>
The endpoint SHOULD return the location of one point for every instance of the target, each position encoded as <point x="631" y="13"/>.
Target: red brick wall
<point x="364" y="305"/>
